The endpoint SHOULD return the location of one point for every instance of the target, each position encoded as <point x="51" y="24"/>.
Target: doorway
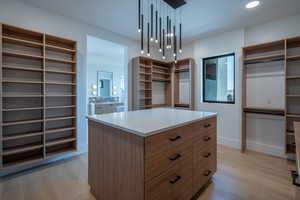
<point x="107" y="76"/>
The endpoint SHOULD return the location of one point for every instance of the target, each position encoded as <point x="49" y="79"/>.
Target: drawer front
<point x="205" y="140"/>
<point x="175" y="184"/>
<point x="170" y="139"/>
<point x="205" y="126"/>
<point x="205" y="155"/>
<point x="203" y="171"/>
<point x="159" y="163"/>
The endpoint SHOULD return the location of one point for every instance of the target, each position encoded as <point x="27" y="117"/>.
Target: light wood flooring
<point x="250" y="176"/>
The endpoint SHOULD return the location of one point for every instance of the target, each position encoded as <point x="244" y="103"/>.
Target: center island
<point x="155" y="154"/>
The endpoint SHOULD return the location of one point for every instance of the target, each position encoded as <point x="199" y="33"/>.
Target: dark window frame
<point x="203" y="79"/>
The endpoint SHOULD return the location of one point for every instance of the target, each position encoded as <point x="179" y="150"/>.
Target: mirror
<point x="105" y="83"/>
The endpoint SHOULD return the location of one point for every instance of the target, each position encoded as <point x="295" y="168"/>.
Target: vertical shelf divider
<point x="44" y="95"/>
<point x="1" y="107"/>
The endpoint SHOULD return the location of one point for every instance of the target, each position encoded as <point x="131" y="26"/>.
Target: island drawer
<point x="159" y="163"/>
<point x="205" y="140"/>
<point x="176" y="183"/>
<point x="202" y="172"/>
<point x="205" y="125"/>
<point x="205" y="155"/>
<point x="174" y="138"/>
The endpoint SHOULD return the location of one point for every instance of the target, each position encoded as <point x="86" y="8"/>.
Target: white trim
<point x="229" y="142"/>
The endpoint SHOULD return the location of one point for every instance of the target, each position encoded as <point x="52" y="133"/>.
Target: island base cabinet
<point x="170" y="165"/>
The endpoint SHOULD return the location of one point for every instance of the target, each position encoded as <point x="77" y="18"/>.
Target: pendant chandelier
<point x="160" y="21"/>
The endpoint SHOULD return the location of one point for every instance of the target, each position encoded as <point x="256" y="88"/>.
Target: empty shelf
<point x="60" y="49"/>
<point x="293" y="115"/>
<point x="60" y="118"/>
<point x="293" y="77"/>
<point x="160" y="79"/>
<point x="263" y="59"/>
<point x="60" y="107"/>
<point x="292" y="58"/>
<point x="22" y="122"/>
<point x="22" y="109"/>
<point x="60" y="72"/>
<point x="13" y="137"/>
<point x="22" y="96"/>
<point x="22" y="162"/>
<point x="290" y="133"/>
<point x="20" y="149"/>
<point x="60" y="60"/>
<point x="269" y="111"/>
<point x="162" y="73"/>
<point x="60" y="130"/>
<point x="21" y="42"/>
<point x="159" y="67"/>
<point x="23" y="82"/>
<point x="22" y="55"/>
<point x="59" y="83"/>
<point x="22" y="68"/>
<point x="60" y="141"/>
<point x="60" y="152"/>
<point x="180" y="105"/>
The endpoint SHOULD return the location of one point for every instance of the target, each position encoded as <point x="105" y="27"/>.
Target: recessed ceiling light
<point x="252" y="4"/>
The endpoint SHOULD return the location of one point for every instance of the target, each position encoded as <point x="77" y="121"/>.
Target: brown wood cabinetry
<point x="171" y="165"/>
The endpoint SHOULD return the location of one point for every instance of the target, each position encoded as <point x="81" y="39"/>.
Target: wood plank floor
<point x="250" y="176"/>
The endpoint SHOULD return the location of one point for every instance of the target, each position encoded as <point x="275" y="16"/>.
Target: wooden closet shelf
<point x="60" y="60"/>
<point x="144" y="73"/>
<point x="60" y="152"/>
<point x="21" y="42"/>
<point x="22" y="68"/>
<point x="180" y="105"/>
<point x="145" y="98"/>
<point x="160" y="79"/>
<point x="146" y="89"/>
<point x="22" y="122"/>
<point x="61" y="95"/>
<point x="59" y="118"/>
<point x="160" y="67"/>
<point x="22" y="55"/>
<point x="293" y="95"/>
<point x="21" y="81"/>
<point x="60" y="49"/>
<point x="145" y="66"/>
<point x="293" y="115"/>
<point x="292" y="77"/>
<point x="60" y="72"/>
<point x="60" y="107"/>
<point x="60" y="130"/>
<point x="182" y="70"/>
<point x="292" y="58"/>
<point x="145" y="81"/>
<point x="20" y="149"/>
<point x="269" y="111"/>
<point x="22" y="109"/>
<point x="22" y="162"/>
<point x="22" y="96"/>
<point x="263" y="59"/>
<point x="162" y="73"/>
<point x="19" y="136"/>
<point x="59" y="83"/>
<point x="60" y="141"/>
<point x="290" y="133"/>
<point x="158" y="105"/>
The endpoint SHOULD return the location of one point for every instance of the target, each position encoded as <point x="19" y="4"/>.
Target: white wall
<point x="19" y="14"/>
<point x="264" y="133"/>
<point x="228" y="114"/>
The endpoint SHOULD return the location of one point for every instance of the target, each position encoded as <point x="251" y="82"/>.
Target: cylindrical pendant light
<point x="180" y="39"/>
<point x="148" y="39"/>
<point x="139" y="17"/>
<point x="142" y="34"/>
<point x="167" y="29"/>
<point x="174" y="41"/>
<point x="164" y="49"/>
<point x="151" y="22"/>
<point x="156" y="26"/>
<point x="160" y="35"/>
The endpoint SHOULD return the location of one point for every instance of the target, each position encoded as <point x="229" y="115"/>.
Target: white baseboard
<point x="266" y="149"/>
<point x="254" y="146"/>
<point x="229" y="142"/>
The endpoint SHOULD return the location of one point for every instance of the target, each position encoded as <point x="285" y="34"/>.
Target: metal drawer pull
<point x="207" y="173"/>
<point x="207" y="125"/>
<point x="175" y="180"/>
<point x="207" y="138"/>
<point x="207" y="155"/>
<point x="175" y="157"/>
<point x="174" y="139"/>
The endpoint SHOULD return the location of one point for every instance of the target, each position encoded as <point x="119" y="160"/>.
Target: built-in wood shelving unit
<point x="287" y="51"/>
<point x="37" y="96"/>
<point x="147" y="72"/>
<point x="184" y="73"/>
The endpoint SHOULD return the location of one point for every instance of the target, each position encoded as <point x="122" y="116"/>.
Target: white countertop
<point x="151" y="121"/>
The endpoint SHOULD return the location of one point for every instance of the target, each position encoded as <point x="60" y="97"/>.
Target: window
<point x="218" y="79"/>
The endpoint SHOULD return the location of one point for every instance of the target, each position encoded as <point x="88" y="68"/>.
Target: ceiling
<point x="200" y="17"/>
